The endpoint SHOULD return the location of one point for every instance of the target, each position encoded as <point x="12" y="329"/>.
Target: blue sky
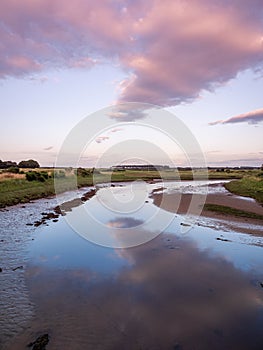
<point x="209" y="72"/>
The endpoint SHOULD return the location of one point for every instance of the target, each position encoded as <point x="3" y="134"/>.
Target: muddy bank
<point x="194" y="204"/>
<point x="63" y="208"/>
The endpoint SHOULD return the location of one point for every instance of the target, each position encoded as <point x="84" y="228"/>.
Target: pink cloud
<point x="189" y="47"/>
<point x="100" y="139"/>
<point x="116" y="130"/>
<point x="253" y="117"/>
<point x="171" y="50"/>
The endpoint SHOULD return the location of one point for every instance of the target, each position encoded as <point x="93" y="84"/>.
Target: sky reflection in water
<point x="178" y="291"/>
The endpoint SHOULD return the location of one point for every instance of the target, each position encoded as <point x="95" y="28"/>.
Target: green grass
<point x="222" y="209"/>
<point x="247" y="187"/>
<point x="14" y="191"/>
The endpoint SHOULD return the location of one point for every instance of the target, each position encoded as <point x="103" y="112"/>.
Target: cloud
<point x="125" y="222"/>
<point x="171" y="50"/>
<point x="101" y="139"/>
<point x="116" y="130"/>
<point x="189" y="47"/>
<point x="129" y="112"/>
<point x="253" y="117"/>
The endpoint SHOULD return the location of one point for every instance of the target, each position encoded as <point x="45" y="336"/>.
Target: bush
<point x="37" y="176"/>
<point x="31" y="176"/>
<point x="13" y="170"/>
<point x="82" y="172"/>
<point x="28" y="164"/>
<point x="59" y="174"/>
<point x="7" y="164"/>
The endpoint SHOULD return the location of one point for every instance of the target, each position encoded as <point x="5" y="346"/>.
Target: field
<point x="15" y="188"/>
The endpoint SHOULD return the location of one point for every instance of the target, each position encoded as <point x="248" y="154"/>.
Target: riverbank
<point x="221" y="206"/>
<point x="15" y="189"/>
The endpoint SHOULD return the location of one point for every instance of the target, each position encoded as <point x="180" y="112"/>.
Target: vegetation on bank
<point x="248" y="187"/>
<point x="23" y="185"/>
<point x="223" y="209"/>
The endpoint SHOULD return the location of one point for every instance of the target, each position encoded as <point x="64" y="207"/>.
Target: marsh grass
<point x="14" y="188"/>
<point x="222" y="209"/>
<point x="248" y="187"/>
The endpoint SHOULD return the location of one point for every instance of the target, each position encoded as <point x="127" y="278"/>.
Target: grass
<point x="14" y="191"/>
<point x="14" y="188"/>
<point x="251" y="186"/>
<point x="222" y="209"/>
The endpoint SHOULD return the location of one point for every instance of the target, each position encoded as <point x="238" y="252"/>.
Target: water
<point x="191" y="287"/>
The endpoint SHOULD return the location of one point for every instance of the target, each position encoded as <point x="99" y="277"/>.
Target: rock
<point x="222" y="239"/>
<point x="37" y="223"/>
<point x="261" y="283"/>
<point x="1" y="270"/>
<point x="40" y="343"/>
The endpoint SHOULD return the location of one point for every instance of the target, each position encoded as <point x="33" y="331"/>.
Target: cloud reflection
<point x="172" y="296"/>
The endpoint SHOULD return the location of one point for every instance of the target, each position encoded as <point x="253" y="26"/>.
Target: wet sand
<point x="193" y="204"/>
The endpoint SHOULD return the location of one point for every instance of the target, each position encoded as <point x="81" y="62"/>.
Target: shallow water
<point x="190" y="287"/>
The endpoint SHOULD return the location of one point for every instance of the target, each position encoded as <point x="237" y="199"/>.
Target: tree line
<point x="30" y="163"/>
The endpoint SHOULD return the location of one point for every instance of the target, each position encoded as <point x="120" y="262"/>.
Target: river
<point x="117" y="272"/>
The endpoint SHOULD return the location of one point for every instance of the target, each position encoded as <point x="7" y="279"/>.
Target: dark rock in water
<point x="37" y="223"/>
<point x="29" y="224"/>
<point x="17" y="268"/>
<point x="1" y="270"/>
<point x="261" y="283"/>
<point x="184" y="224"/>
<point x="222" y="239"/>
<point x="40" y="343"/>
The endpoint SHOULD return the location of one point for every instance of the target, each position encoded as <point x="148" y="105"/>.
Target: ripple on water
<point x="15" y="235"/>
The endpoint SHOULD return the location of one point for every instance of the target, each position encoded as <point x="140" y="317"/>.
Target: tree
<point x="28" y="164"/>
<point x="7" y="164"/>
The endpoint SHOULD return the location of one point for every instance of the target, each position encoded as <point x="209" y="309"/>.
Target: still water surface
<point x="184" y="289"/>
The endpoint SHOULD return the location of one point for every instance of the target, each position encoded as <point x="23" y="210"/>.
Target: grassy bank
<point x="222" y="209"/>
<point x="247" y="187"/>
<point x="15" y="188"/>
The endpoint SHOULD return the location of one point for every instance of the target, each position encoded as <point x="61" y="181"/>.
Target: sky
<point x="199" y="60"/>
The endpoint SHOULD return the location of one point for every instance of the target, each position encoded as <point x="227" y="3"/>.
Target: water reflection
<point x="124" y="222"/>
<point x="178" y="291"/>
<point x="169" y="296"/>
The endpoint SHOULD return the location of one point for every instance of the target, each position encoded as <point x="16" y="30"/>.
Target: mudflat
<point x="200" y="204"/>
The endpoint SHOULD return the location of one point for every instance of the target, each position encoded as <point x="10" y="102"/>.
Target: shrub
<point x="59" y="174"/>
<point x="82" y="172"/>
<point x="13" y="170"/>
<point x="7" y="164"/>
<point x="31" y="176"/>
<point x="28" y="164"/>
<point x="37" y="176"/>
